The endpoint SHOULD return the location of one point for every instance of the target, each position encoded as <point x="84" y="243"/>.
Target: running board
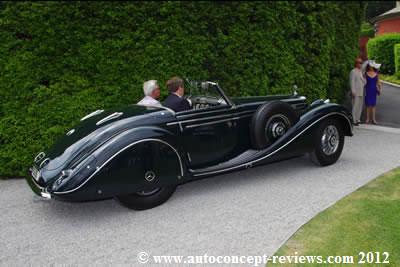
<point x="246" y="156"/>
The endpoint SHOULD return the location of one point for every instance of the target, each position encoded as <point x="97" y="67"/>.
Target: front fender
<point x="328" y="110"/>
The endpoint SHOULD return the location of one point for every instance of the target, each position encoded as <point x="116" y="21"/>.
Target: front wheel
<point x="328" y="144"/>
<point x="147" y="199"/>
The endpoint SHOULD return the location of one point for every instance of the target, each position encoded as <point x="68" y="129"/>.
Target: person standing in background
<point x="373" y="88"/>
<point x="357" y="84"/>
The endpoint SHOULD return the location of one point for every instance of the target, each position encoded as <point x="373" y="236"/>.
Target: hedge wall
<point x="61" y="60"/>
<point x="397" y="59"/>
<point x="381" y="49"/>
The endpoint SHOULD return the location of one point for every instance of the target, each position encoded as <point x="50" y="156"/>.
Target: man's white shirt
<point x="149" y="101"/>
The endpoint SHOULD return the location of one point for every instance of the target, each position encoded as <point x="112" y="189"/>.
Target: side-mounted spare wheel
<point x="271" y="121"/>
<point x="328" y="142"/>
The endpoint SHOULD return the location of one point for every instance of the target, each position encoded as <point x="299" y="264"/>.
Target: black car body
<point x="137" y="150"/>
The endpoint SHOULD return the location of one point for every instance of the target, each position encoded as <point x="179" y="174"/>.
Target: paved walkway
<point x="388" y="106"/>
<point x="251" y="212"/>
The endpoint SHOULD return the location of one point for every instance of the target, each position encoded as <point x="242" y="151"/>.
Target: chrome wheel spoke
<point x="330" y="140"/>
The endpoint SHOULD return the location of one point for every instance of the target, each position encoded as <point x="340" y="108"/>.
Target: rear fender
<point x="134" y="160"/>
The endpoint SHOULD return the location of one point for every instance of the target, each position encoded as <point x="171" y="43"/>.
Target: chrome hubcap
<point x="276" y="126"/>
<point x="149" y="176"/>
<point x="330" y="140"/>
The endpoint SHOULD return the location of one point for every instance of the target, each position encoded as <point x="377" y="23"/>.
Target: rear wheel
<point x="147" y="199"/>
<point x="328" y="144"/>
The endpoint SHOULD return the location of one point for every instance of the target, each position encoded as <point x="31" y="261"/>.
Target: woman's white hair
<point x="149" y="86"/>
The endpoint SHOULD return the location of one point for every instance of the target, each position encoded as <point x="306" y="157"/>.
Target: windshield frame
<point x="215" y="86"/>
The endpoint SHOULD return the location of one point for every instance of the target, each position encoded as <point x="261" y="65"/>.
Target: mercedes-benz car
<point x="139" y="154"/>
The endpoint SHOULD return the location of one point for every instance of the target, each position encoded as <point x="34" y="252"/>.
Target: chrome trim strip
<point x="213" y="122"/>
<point x="158" y="107"/>
<point x="266" y="101"/>
<point x="94" y="113"/>
<point x="109" y="117"/>
<point x="168" y="109"/>
<point x="212" y="117"/>
<point x="278" y="149"/>
<point x="203" y="111"/>
<point x="116" y="154"/>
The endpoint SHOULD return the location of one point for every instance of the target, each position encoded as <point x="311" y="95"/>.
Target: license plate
<point x="35" y="173"/>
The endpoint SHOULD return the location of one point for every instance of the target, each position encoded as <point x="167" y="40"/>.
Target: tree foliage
<point x="61" y="60"/>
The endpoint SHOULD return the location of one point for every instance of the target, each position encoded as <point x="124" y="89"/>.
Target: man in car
<point x="175" y="100"/>
<point x="151" y="92"/>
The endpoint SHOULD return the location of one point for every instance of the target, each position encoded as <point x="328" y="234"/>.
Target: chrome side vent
<point x="109" y="117"/>
<point x="44" y="163"/>
<point x="39" y="157"/>
<point x="94" y="113"/>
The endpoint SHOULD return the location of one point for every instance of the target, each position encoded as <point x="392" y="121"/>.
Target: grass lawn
<point x="388" y="78"/>
<point x="366" y="220"/>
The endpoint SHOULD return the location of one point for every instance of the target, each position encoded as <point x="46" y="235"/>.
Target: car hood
<point x="92" y="132"/>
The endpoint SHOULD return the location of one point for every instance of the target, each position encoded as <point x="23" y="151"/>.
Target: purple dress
<point x="371" y="90"/>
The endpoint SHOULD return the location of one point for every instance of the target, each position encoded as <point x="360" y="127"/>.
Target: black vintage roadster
<point x="140" y="154"/>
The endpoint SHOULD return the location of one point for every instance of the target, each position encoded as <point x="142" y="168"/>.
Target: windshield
<point x="204" y="94"/>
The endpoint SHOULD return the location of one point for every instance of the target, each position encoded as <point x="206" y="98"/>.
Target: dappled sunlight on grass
<point x="366" y="220"/>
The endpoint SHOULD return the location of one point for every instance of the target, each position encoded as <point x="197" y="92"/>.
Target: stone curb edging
<point x="392" y="84"/>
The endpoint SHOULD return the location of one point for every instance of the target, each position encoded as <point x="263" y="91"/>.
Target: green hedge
<point x="367" y="30"/>
<point x="381" y="50"/>
<point x="397" y="59"/>
<point x="61" y="60"/>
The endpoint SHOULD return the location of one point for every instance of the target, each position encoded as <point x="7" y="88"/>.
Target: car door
<point x="209" y="136"/>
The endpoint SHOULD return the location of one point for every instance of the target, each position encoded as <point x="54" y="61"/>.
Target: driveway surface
<point x="251" y="212"/>
<point x="388" y="106"/>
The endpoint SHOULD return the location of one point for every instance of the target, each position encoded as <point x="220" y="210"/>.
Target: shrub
<point x="367" y="30"/>
<point x="397" y="59"/>
<point x="381" y="49"/>
<point x="61" y="60"/>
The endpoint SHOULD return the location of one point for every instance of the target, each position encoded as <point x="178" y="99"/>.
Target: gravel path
<point x="251" y="212"/>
